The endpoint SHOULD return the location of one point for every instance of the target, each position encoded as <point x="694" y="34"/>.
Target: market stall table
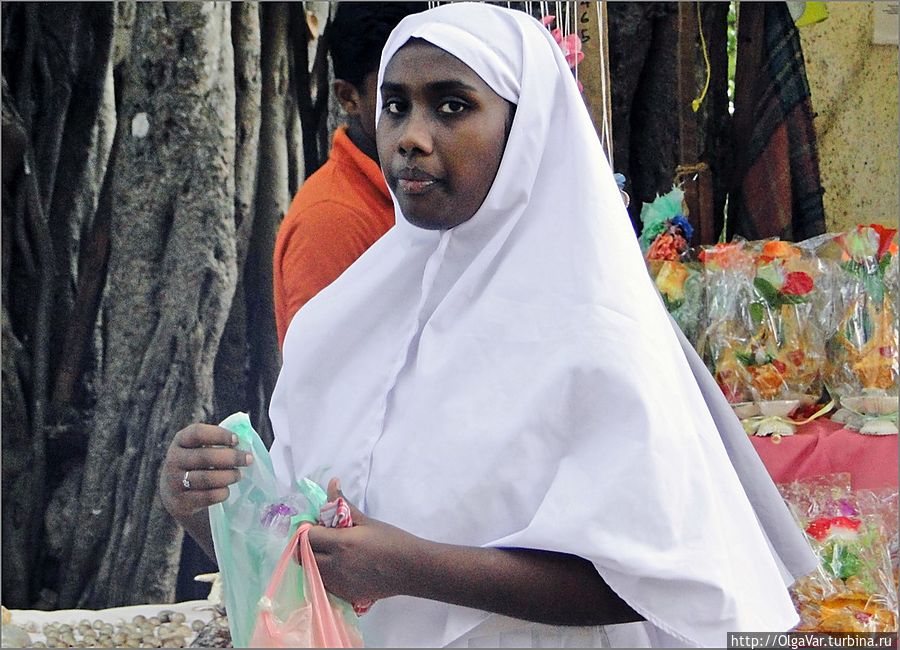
<point x="35" y="622"/>
<point x="825" y="447"/>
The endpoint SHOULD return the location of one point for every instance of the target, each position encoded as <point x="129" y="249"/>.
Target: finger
<point x="322" y="540"/>
<point x="213" y="458"/>
<point x="204" y="435"/>
<point x="334" y="492"/>
<point x="199" y="499"/>
<point x="210" y="479"/>
<point x="334" y="489"/>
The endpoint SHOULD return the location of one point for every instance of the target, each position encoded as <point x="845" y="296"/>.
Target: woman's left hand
<point x="365" y="562"/>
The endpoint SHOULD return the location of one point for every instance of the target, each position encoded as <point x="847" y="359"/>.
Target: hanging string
<point x="699" y="100"/>
<point x="689" y="170"/>
<point x="605" y="95"/>
<point x="575" y="31"/>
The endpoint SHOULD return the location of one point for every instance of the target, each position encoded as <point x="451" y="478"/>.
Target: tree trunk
<point x="145" y="245"/>
<point x="172" y="273"/>
<point x="232" y="389"/>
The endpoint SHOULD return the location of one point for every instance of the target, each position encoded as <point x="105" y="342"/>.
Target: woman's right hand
<point x="199" y="466"/>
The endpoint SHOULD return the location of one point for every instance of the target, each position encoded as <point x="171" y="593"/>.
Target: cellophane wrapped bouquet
<point x="854" y="587"/>
<point x="862" y="353"/>
<point x="728" y="270"/>
<point x="665" y="242"/>
<point x="765" y="341"/>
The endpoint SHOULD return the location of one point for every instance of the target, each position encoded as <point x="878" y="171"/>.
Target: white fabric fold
<point x="515" y="381"/>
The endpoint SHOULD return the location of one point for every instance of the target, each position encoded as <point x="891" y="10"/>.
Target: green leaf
<point x="745" y="358"/>
<point x="767" y="291"/>
<point x="868" y="326"/>
<point x="757" y="312"/>
<point x="874" y="284"/>
<point x="792" y="299"/>
<point x="671" y="305"/>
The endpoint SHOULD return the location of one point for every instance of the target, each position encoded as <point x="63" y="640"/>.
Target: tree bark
<point x="231" y="367"/>
<point x="172" y="273"/>
<point x="153" y="241"/>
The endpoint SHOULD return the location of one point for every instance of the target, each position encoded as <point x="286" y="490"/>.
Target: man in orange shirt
<point x="344" y="207"/>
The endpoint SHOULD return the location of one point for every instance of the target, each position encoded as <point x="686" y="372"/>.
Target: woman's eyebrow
<point x="444" y="86"/>
<point x="391" y="87"/>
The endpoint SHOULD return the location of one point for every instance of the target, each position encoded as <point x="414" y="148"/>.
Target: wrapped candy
<point x="862" y="353"/>
<point x="853" y="588"/>
<point x="665" y="241"/>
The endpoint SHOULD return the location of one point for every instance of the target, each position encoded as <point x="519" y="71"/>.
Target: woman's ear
<point x="348" y="96"/>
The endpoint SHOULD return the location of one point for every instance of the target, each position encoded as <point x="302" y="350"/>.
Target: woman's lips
<point x="411" y="186"/>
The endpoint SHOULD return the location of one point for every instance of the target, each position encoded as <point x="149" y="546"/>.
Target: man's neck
<point x="361" y="139"/>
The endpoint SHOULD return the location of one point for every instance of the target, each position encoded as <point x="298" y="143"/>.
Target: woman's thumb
<point x="334" y="493"/>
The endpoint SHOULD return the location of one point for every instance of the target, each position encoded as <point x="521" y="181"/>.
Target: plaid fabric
<point x="776" y="190"/>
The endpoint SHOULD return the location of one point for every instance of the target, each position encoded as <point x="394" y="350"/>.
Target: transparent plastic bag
<point x="296" y="611"/>
<point x="251" y="529"/>
<point x="853" y="588"/>
<point x="728" y="269"/>
<point x="863" y="365"/>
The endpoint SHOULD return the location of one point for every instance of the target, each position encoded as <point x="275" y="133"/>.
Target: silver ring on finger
<point x="186" y="482"/>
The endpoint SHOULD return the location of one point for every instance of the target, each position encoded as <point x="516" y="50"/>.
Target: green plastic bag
<point x="251" y="529"/>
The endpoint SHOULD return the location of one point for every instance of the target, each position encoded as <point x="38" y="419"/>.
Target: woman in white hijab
<point x="539" y="457"/>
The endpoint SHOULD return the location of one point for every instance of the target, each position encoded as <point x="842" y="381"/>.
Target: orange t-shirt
<point x="337" y="214"/>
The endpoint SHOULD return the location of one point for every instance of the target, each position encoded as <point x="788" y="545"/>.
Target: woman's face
<point x="441" y="135"/>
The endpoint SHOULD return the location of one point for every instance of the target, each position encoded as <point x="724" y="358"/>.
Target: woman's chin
<point x="423" y="222"/>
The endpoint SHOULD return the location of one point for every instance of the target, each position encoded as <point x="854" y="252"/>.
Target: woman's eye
<point x="452" y="106"/>
<point x="393" y="107"/>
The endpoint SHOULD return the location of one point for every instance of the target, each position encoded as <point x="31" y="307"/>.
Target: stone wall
<point x="854" y="86"/>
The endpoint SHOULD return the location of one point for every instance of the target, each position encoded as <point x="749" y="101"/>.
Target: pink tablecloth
<point x="823" y="447"/>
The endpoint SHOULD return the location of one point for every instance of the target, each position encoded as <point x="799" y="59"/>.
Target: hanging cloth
<point x="776" y="189"/>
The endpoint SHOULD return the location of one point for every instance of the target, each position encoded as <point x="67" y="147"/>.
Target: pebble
<point x="167" y="629"/>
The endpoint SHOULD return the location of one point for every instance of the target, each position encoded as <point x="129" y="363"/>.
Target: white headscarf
<point x="515" y="381"/>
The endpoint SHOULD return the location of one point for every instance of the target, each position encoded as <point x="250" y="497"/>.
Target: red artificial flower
<point x="797" y="283"/>
<point x="885" y="238"/>
<point x="822" y="527"/>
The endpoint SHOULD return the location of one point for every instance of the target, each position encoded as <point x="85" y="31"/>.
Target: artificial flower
<point x="825" y="527"/>
<point x="777" y="249"/>
<point x="680" y="221"/>
<point x="731" y="256"/>
<point x="885" y="239"/>
<point x="797" y="283"/>
<point x="667" y="247"/>
<point x="569" y="44"/>
<point x="671" y="279"/>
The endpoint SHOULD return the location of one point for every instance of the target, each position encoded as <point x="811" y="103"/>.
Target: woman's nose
<point x="416" y="135"/>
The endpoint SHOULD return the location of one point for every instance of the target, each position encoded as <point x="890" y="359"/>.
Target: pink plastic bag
<point x="295" y="616"/>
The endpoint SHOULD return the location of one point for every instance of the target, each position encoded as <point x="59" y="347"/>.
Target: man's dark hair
<point x="357" y="34"/>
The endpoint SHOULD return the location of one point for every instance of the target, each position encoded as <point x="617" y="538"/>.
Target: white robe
<point x="515" y="382"/>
